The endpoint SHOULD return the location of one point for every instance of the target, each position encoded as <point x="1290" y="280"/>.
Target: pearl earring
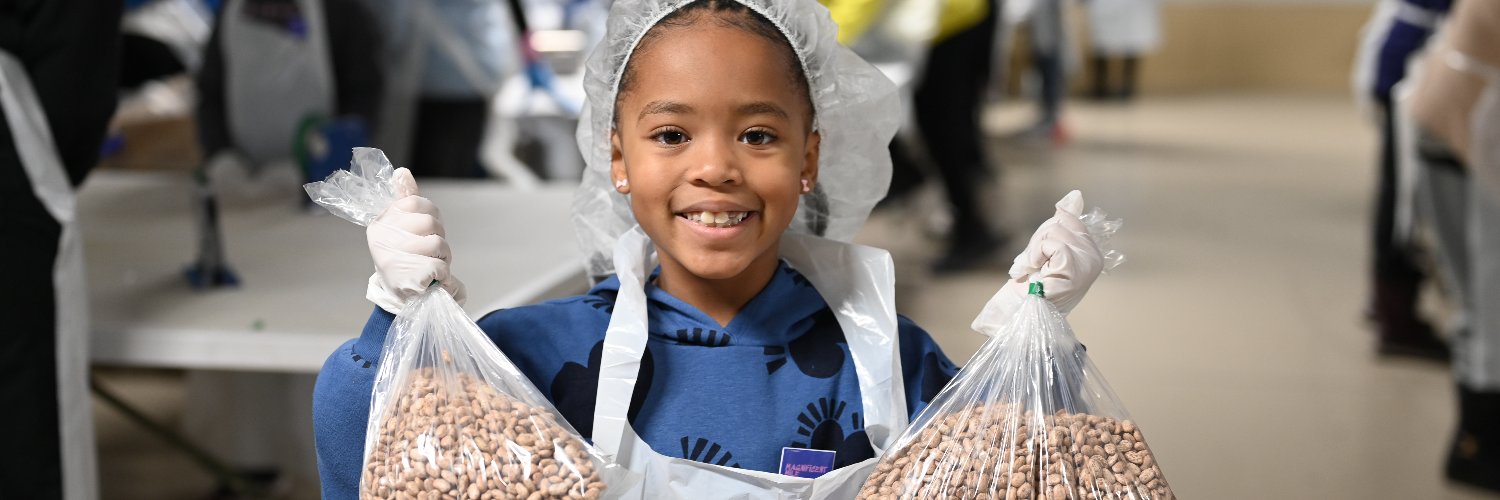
<point x="806" y="186"/>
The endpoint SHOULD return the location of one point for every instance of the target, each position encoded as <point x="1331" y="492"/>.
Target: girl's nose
<point x="714" y="164"/>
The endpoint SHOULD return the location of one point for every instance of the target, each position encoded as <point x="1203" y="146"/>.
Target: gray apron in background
<point x="274" y="80"/>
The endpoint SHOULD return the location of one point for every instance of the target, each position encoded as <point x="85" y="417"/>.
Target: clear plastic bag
<point x="1029" y="417"/>
<point x="450" y="416"/>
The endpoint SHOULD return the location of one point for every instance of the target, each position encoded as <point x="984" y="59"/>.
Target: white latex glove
<point x="1061" y="254"/>
<point x="410" y="252"/>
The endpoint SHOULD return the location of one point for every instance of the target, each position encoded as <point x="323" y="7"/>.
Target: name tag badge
<point x="802" y="462"/>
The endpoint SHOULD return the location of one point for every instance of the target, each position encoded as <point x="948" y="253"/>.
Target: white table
<point x="302" y="273"/>
<point x="253" y="349"/>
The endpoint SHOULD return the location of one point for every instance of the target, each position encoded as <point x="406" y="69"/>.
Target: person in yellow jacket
<point x="855" y="17"/>
<point x="948" y="103"/>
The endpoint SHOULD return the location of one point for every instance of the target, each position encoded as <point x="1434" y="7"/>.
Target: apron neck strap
<point x="33" y="140"/>
<point x="624" y="341"/>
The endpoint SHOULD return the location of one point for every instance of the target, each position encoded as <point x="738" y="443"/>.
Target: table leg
<point x="213" y="465"/>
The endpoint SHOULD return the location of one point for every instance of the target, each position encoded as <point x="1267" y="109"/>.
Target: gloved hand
<point x="1062" y="254"/>
<point x="408" y="246"/>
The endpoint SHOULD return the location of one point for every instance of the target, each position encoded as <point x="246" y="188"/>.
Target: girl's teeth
<point x="717" y="219"/>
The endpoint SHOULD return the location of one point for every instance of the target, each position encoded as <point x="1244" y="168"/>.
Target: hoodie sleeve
<point x="341" y="407"/>
<point x="923" y="365"/>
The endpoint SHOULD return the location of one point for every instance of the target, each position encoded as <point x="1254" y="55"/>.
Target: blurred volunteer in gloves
<point x="733" y="149"/>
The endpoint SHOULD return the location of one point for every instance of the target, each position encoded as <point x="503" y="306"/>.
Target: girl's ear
<point x="617" y="163"/>
<point x="810" y="159"/>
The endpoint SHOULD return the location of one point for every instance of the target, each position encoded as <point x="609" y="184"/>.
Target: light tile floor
<point x="1232" y="334"/>
<point x="1233" y="331"/>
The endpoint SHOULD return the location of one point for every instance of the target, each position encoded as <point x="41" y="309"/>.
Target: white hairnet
<point x="856" y="111"/>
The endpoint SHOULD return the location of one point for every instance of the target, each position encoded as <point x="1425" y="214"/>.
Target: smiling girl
<point x="725" y="131"/>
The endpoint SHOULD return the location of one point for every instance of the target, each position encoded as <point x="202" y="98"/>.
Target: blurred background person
<point x="947" y="103"/>
<point x="277" y="77"/>
<point x="1397" y="30"/>
<point x="458" y="52"/>
<point x="1051" y="56"/>
<point x="1455" y="107"/>
<point x="58" y="74"/>
<point x="272" y="67"/>
<point x="895" y="36"/>
<point x="286" y="86"/>
<point x="1120" y="32"/>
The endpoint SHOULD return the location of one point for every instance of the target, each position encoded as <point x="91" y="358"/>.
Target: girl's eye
<point x="758" y="137"/>
<point x="669" y="137"/>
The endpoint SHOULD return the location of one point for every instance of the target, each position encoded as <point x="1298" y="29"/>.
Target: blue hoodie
<point x="778" y="375"/>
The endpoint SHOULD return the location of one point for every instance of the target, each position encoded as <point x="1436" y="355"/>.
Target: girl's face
<point x="713" y="136"/>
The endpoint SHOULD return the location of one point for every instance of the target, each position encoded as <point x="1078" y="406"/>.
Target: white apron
<point x="49" y="180"/>
<point x="273" y="80"/>
<point x="858" y="284"/>
<point x="1484" y="124"/>
<point x="1464" y="213"/>
<point x="1476" y="359"/>
<point x="1409" y="172"/>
